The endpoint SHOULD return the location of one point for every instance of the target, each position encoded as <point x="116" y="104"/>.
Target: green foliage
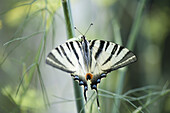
<point x="26" y="28"/>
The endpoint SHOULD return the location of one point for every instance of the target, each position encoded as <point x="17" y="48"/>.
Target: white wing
<point x="108" y="56"/>
<point x="68" y="57"/>
<point x="104" y="57"/>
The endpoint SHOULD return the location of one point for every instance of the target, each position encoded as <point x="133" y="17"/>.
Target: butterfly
<point x="89" y="60"/>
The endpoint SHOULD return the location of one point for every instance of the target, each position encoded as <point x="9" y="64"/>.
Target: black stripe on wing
<point x="58" y="51"/>
<point x="68" y="46"/>
<point x="51" y="58"/>
<point x="128" y="58"/>
<point x="91" y="47"/>
<point x="74" y="50"/>
<point x="100" y="49"/>
<point x="66" y="54"/>
<point x="120" y="49"/>
<point x="78" y="43"/>
<point x="92" y="44"/>
<point x="107" y="45"/>
<point x="112" y="53"/>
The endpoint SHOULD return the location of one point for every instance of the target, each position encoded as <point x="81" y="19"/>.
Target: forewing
<point x="108" y="56"/>
<point x="67" y="57"/>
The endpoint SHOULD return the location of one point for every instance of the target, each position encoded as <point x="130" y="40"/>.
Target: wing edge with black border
<point x="108" y="56"/>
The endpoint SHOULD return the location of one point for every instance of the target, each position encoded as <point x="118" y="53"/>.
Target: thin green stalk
<point x="68" y="18"/>
<point x="117" y="34"/>
<point x="136" y="25"/>
<point x="119" y="89"/>
<point x="130" y="45"/>
<point x="121" y="72"/>
<point x="22" y="38"/>
<point x="71" y="34"/>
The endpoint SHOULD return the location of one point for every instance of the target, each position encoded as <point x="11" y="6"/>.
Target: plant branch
<point x="130" y="45"/>
<point x="70" y="34"/>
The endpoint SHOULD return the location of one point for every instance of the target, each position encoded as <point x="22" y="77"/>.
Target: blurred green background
<point x="29" y="29"/>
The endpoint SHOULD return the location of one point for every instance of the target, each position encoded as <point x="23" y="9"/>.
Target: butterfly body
<point x="89" y="60"/>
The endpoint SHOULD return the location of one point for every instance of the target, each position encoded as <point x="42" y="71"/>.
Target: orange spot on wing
<point x="89" y="76"/>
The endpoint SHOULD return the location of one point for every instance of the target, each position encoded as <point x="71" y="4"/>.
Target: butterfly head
<point x="82" y="37"/>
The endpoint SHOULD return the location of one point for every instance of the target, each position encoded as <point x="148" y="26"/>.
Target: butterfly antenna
<point x="78" y="30"/>
<point x="88" y="28"/>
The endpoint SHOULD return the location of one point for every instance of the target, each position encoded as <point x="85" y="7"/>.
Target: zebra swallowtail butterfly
<point x="89" y="60"/>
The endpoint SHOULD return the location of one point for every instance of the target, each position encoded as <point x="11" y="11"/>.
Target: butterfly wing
<point x="67" y="57"/>
<point x="105" y="57"/>
<point x="108" y="56"/>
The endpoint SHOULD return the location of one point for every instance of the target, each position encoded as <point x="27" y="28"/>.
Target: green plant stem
<point x="117" y="34"/>
<point x="71" y="34"/>
<point x="130" y="45"/>
<point x="68" y="18"/>
<point x="119" y="89"/>
<point x="136" y="25"/>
